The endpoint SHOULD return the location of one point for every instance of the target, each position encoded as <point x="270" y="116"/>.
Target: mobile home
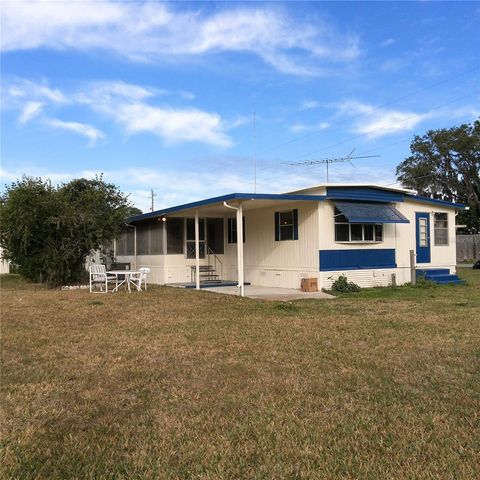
<point x="365" y="232"/>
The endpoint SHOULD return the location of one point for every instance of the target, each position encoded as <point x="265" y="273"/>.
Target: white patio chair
<point x="145" y="270"/>
<point x="99" y="276"/>
<point x="136" y="279"/>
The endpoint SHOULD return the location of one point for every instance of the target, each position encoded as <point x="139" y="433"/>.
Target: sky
<point x="187" y="98"/>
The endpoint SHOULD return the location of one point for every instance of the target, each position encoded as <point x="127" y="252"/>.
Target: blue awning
<point x="363" y="212"/>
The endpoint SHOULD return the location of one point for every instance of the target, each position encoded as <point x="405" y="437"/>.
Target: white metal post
<point x="241" y="283"/>
<point x="197" y="252"/>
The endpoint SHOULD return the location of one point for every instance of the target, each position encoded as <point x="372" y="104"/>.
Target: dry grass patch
<point x="181" y="384"/>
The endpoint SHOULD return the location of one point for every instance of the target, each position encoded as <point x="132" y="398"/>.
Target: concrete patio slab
<point x="271" y="293"/>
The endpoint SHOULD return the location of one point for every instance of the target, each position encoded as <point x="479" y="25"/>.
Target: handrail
<point x="215" y="257"/>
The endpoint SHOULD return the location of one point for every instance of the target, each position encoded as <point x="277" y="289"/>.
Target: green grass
<point x="179" y="384"/>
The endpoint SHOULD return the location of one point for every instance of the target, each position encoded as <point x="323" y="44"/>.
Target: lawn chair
<point x="145" y="270"/>
<point x="136" y="279"/>
<point x="99" y="276"/>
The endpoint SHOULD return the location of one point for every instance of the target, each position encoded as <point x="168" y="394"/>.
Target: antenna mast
<point x="254" y="148"/>
<point x="152" y="196"/>
<point x="326" y="161"/>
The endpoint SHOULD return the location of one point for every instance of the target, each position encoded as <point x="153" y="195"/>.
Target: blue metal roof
<point x="364" y="212"/>
<point x="369" y="194"/>
<point x="226" y="198"/>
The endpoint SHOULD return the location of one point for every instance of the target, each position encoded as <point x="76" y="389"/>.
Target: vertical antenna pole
<point x="327" y="162"/>
<point x="254" y="149"/>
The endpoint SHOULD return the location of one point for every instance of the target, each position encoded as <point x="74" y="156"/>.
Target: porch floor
<point x="220" y="284"/>
<point x="271" y="293"/>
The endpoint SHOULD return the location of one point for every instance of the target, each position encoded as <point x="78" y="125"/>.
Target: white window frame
<point x="435" y="228"/>
<point x="350" y="241"/>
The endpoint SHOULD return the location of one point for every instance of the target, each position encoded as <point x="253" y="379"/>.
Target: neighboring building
<point x="365" y="232"/>
<point x="4" y="265"/>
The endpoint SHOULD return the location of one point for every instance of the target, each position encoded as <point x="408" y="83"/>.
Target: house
<point x="365" y="232"/>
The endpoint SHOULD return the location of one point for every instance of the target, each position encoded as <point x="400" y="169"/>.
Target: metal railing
<point x="215" y="260"/>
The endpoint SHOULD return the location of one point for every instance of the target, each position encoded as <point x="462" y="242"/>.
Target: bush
<point x="49" y="231"/>
<point x="342" y="285"/>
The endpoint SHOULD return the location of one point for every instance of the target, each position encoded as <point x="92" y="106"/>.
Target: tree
<point x="49" y="231"/>
<point x="445" y="164"/>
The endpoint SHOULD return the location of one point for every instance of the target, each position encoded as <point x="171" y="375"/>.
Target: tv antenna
<point x="152" y="197"/>
<point x="254" y="148"/>
<point x="327" y="161"/>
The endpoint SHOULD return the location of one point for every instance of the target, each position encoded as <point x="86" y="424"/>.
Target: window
<point x="356" y="232"/>
<point x="423" y="232"/>
<point x="232" y="230"/>
<point x="286" y="225"/>
<point x="441" y="228"/>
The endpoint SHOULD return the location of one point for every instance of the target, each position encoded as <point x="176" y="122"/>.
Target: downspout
<point x="239" y="210"/>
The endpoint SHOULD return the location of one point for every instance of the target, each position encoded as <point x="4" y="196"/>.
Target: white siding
<point x="401" y="237"/>
<point x="277" y="263"/>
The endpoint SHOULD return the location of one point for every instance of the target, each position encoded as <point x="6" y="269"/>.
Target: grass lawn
<point x="177" y="384"/>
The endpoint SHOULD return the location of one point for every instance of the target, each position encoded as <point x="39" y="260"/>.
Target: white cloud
<point x="309" y="104"/>
<point x="155" y="31"/>
<point x="173" y="125"/>
<point x="387" y="42"/>
<point x="377" y="122"/>
<point x="125" y="104"/>
<point x="302" y="127"/>
<point x="30" y="111"/>
<point x="83" y="129"/>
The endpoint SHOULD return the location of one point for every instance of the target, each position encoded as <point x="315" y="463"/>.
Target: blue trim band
<point x="436" y="201"/>
<point x="357" y="259"/>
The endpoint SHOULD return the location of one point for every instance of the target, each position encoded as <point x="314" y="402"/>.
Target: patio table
<point x="126" y="280"/>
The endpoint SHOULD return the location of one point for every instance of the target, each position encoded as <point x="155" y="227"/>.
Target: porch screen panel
<point x="156" y="237"/>
<point x="174" y="235"/>
<point x="125" y="243"/>
<point x="215" y="238"/>
<point x="191" y="229"/>
<point x="121" y="248"/>
<point x="143" y="241"/>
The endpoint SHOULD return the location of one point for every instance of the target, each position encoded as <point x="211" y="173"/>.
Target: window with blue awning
<point x="364" y="212"/>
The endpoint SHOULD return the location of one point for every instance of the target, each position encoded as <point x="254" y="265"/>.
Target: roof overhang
<point x="215" y="204"/>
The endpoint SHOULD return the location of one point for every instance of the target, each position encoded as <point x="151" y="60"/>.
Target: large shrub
<point x="48" y="231"/>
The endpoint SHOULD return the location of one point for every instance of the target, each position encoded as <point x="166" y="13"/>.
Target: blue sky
<point x="160" y="95"/>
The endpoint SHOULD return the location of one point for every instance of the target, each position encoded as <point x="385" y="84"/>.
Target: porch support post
<point x="197" y="251"/>
<point x="241" y="282"/>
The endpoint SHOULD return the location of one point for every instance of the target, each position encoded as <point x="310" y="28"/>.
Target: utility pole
<point x="152" y="196"/>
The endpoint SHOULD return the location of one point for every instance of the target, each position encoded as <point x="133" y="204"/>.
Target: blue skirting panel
<point x="357" y="259"/>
